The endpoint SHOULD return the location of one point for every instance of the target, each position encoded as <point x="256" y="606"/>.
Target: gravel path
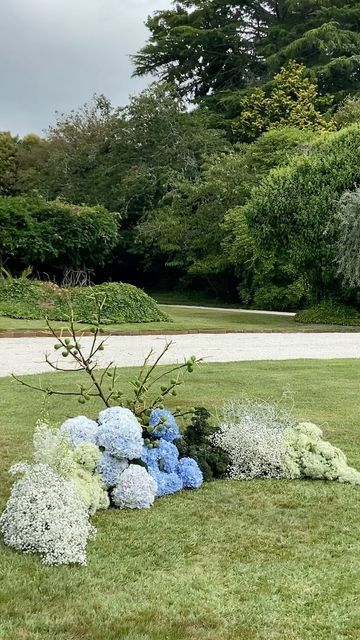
<point x="26" y="355"/>
<point x="257" y="312"/>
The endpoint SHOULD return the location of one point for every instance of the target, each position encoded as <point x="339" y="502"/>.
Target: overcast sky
<point x="54" y="54"/>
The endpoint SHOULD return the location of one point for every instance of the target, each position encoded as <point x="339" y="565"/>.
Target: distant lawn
<point x="260" y="560"/>
<point x="192" y="320"/>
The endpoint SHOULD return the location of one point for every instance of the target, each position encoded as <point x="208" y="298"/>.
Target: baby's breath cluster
<point x="264" y="441"/>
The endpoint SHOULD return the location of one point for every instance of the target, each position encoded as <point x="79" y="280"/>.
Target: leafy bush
<point x="348" y="254"/>
<point x="292" y="215"/>
<point x="196" y="443"/>
<point x="54" y="235"/>
<point x="329" y="313"/>
<point x="33" y="300"/>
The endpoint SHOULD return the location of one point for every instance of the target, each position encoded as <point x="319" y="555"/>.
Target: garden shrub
<point x="329" y="313"/>
<point x="53" y="236"/>
<point x="197" y="444"/>
<point x="33" y="300"/>
<point x="292" y="214"/>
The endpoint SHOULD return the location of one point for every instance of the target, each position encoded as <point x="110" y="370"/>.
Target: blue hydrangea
<point x="111" y="468"/>
<point x="151" y="456"/>
<point x="165" y="425"/>
<point x="79" y="430"/>
<point x="169" y="456"/>
<point x="190" y="473"/>
<point x="165" y="456"/>
<point x="120" y="433"/>
<point x="167" y="483"/>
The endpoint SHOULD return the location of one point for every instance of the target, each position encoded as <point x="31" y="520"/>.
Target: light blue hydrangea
<point x="165" y="456"/>
<point x="165" y="425"/>
<point x="169" y="456"/>
<point x="190" y="473"/>
<point x="136" y="489"/>
<point x="167" y="483"/>
<point x="120" y="433"/>
<point x="151" y="456"/>
<point x="111" y="468"/>
<point x="80" y="430"/>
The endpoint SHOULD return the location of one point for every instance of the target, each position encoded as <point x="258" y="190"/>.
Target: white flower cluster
<point x="136" y="489"/>
<point x="252" y="434"/>
<point x="44" y="514"/>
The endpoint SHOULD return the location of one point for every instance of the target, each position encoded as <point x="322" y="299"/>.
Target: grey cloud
<point x="54" y="54"/>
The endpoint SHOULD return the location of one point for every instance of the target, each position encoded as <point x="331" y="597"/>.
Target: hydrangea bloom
<point x="80" y="429"/>
<point x="45" y="515"/>
<point x="120" y="433"/>
<point x="111" y="468"/>
<point x="167" y="483"/>
<point x="136" y="489"/>
<point x="165" y="456"/>
<point x="190" y="473"/>
<point x="309" y="456"/>
<point x="87" y="482"/>
<point x="165" y="425"/>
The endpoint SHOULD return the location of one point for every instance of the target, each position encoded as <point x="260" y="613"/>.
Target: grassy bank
<point x="263" y="560"/>
<point x="184" y="319"/>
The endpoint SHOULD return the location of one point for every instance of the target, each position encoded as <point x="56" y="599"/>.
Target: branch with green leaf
<point x="148" y="389"/>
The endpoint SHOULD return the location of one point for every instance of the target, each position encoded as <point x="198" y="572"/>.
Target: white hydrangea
<point x="120" y="433"/>
<point x="80" y="429"/>
<point x="252" y="433"/>
<point x="45" y="515"/>
<point x="136" y="489"/>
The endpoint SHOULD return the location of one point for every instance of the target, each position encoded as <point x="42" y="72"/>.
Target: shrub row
<point x="329" y="313"/>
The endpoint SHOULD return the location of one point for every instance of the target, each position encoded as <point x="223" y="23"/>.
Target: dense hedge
<point x="329" y="313"/>
<point x="54" y="235"/>
<point x="293" y="214"/>
<point x="33" y="300"/>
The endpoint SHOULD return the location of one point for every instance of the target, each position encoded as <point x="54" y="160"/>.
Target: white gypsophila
<point x="252" y="434"/>
<point x="45" y="515"/>
<point x="52" y="448"/>
<point x="136" y="489"/>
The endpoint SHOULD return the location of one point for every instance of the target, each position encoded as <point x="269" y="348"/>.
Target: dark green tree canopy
<point x="205" y="46"/>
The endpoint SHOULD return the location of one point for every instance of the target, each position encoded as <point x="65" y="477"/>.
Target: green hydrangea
<point x="85" y="478"/>
<point x="309" y="456"/>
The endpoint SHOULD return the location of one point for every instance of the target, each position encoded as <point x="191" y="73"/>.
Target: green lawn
<point x="265" y="560"/>
<point x="192" y="320"/>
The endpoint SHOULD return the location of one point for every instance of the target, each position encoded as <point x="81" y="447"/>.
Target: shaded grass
<point x="191" y="320"/>
<point x="236" y="560"/>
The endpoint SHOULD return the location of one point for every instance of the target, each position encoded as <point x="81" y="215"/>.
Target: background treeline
<point x="230" y="174"/>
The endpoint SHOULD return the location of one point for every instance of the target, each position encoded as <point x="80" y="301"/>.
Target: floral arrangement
<point x="134" y="453"/>
<point x="263" y="440"/>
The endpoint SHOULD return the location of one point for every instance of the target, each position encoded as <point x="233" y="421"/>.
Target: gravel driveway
<point x="26" y="355"/>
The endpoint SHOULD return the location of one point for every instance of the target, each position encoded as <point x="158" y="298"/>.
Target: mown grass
<point x="264" y="560"/>
<point x="184" y="319"/>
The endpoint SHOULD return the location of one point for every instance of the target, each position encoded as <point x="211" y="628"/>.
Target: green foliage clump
<point x="197" y="443"/>
<point x="34" y="300"/>
<point x="54" y="235"/>
<point x="329" y="313"/>
<point x="309" y="456"/>
<point x="293" y="217"/>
